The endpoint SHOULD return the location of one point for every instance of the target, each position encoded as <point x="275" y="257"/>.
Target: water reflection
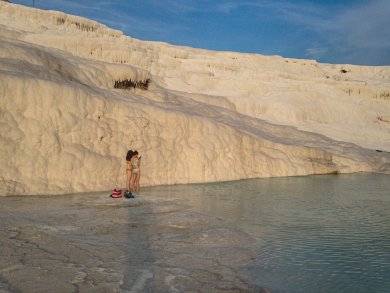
<point x="315" y="234"/>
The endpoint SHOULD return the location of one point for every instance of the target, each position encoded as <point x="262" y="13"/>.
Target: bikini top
<point x="135" y="163"/>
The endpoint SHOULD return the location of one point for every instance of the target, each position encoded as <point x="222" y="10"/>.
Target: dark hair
<point x="129" y="155"/>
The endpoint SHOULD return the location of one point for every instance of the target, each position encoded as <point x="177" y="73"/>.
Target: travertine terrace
<point x="76" y="95"/>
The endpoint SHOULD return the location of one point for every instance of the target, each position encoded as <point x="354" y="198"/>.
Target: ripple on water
<point x="314" y="234"/>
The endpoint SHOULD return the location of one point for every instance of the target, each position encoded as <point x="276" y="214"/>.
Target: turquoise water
<point x="314" y="234"/>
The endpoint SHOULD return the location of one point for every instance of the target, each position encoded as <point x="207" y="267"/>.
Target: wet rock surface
<point x="89" y="242"/>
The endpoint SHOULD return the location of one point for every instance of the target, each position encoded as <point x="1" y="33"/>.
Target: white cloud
<point x="175" y="6"/>
<point x="365" y="26"/>
<point x="316" y="52"/>
<point x="360" y="34"/>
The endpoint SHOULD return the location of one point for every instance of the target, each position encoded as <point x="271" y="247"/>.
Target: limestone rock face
<point x="76" y="95"/>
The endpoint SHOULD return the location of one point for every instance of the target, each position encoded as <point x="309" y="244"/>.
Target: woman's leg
<point x="128" y="172"/>
<point x="138" y="178"/>
<point x="133" y="181"/>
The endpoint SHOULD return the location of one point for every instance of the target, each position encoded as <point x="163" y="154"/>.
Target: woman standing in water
<point x="136" y="171"/>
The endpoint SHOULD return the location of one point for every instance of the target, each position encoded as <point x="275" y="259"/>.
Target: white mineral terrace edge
<point x="76" y="95"/>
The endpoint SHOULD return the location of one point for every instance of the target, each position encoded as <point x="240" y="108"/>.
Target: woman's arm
<point x="132" y="160"/>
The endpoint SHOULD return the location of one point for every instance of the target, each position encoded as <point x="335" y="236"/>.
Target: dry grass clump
<point x="129" y="83"/>
<point x="80" y="26"/>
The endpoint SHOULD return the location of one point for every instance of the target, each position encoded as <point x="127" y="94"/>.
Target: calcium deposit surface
<point x="194" y="115"/>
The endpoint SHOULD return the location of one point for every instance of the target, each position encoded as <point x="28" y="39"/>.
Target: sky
<point x="329" y="31"/>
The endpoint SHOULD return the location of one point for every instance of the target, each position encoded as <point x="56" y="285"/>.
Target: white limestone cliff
<point x="205" y="115"/>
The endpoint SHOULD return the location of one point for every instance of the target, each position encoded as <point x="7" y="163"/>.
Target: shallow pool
<point x="314" y="234"/>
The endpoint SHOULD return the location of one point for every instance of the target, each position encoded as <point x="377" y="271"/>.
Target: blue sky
<point x="329" y="31"/>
